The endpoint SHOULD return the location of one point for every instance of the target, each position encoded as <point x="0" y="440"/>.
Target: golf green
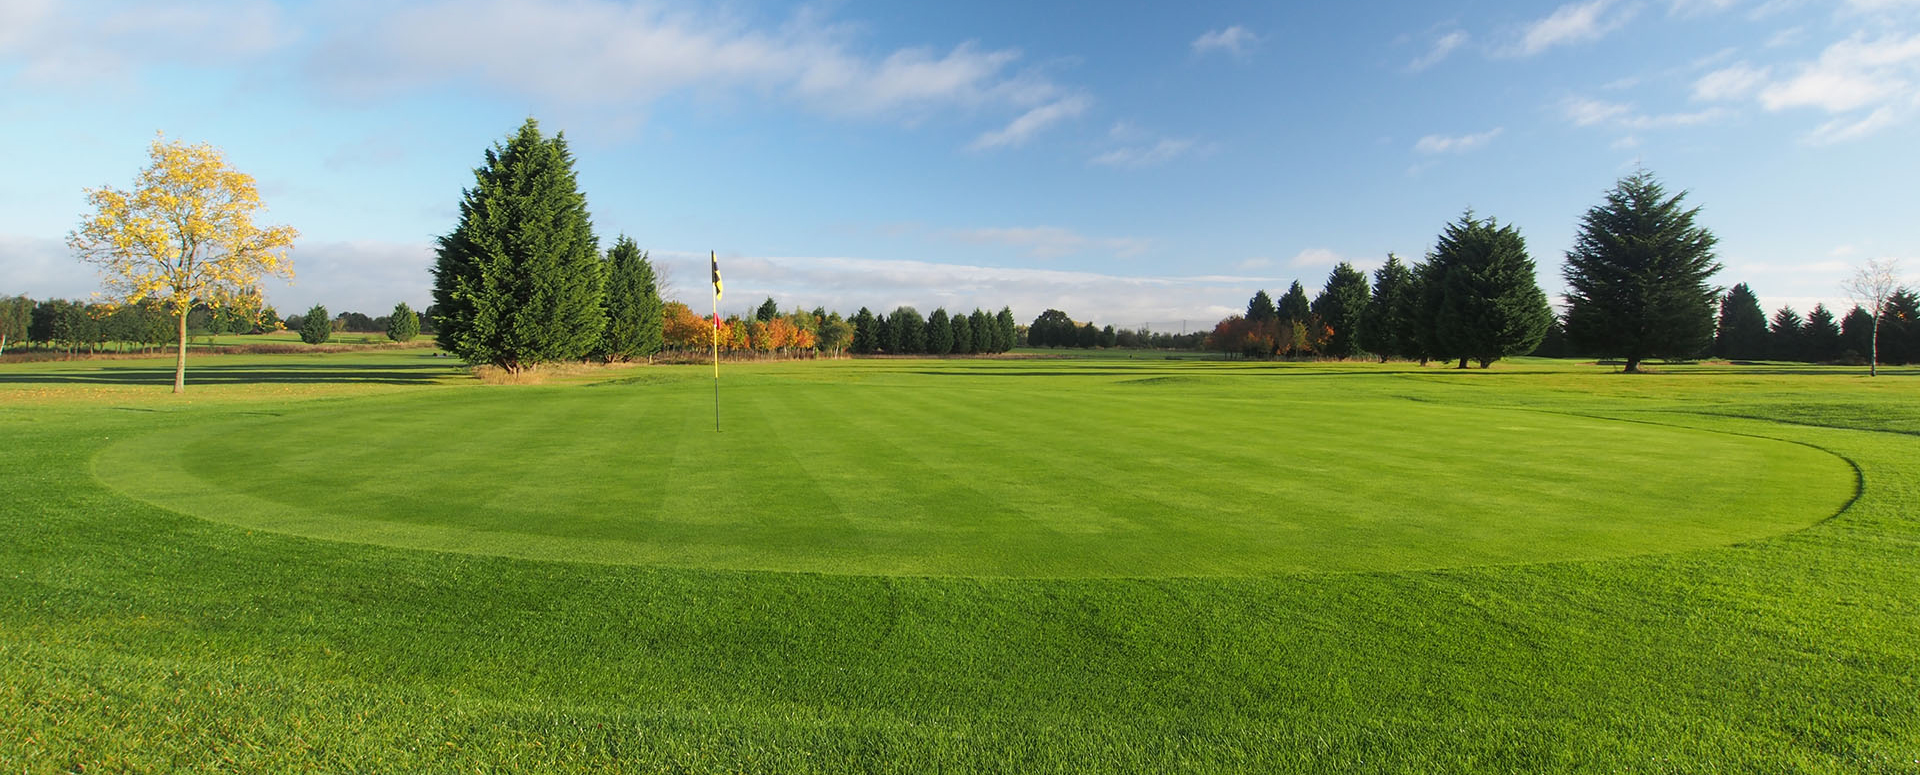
<point x="995" y="469"/>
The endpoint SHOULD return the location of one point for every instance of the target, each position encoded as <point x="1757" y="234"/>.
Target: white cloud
<point x="1849" y="75"/>
<point x="1456" y="144"/>
<point x="1729" y="83"/>
<point x="1571" y="23"/>
<point x="1051" y="241"/>
<point x="43" y="269"/>
<point x="1442" y="48"/>
<point x="1864" y="85"/>
<point x="1030" y="123"/>
<point x="65" y="43"/>
<point x="367" y="276"/>
<point x="623" y="57"/>
<point x="1157" y="153"/>
<point x="1840" y="130"/>
<point x="1583" y="111"/>
<point x="1314" y="257"/>
<point x="1234" y="41"/>
<point x="1699" y="7"/>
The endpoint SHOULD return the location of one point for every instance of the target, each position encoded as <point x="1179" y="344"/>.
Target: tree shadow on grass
<point x="278" y="374"/>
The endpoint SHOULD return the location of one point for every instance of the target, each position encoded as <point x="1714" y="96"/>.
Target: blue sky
<point x="1125" y="162"/>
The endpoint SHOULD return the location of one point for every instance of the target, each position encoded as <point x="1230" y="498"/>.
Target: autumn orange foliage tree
<point x="184" y="234"/>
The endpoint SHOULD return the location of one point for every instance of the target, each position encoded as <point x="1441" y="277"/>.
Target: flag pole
<point x="715" y="259"/>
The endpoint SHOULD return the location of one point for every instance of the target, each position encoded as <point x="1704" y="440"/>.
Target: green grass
<point x="984" y="468"/>
<point x="1698" y="611"/>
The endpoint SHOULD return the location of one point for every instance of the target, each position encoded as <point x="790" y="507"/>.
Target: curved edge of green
<point x="127" y="467"/>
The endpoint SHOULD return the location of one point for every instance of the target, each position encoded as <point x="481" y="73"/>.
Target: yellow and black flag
<point x="716" y="273"/>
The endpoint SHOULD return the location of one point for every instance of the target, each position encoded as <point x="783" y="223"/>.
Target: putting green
<point x="982" y="471"/>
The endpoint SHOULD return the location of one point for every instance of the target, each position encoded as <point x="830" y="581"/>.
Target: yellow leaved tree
<point x="183" y="235"/>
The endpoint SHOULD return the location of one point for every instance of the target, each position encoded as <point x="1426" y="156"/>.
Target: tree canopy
<point x="1742" y="329"/>
<point x="519" y="281"/>
<point x="635" y="312"/>
<point x="1489" y="302"/>
<point x="183" y="235"/>
<point x="1637" y="276"/>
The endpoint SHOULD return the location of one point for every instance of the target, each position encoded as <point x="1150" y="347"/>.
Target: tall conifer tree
<point x="939" y="333"/>
<point x="1742" y="329"/>
<point x="1490" y="302"/>
<point x="1386" y="331"/>
<point x="1637" y="276"/>
<point x="1341" y="306"/>
<point x="635" y="314"/>
<point x="1820" y="335"/>
<point x="519" y="281"/>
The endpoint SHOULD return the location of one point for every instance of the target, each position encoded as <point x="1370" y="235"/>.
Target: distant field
<point x="1115" y="563"/>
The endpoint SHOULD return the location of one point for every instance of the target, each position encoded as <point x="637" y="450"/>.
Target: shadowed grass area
<point x="136" y="638"/>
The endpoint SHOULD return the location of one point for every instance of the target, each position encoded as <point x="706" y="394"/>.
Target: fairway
<point x="987" y="468"/>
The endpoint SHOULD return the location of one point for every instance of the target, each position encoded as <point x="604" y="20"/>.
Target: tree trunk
<point x="1873" y="355"/>
<point x="180" y="365"/>
<point x="1485" y="362"/>
<point x="1633" y="365"/>
<point x="1463" y="362"/>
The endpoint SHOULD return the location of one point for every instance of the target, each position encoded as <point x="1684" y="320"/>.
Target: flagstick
<point x="716" y="349"/>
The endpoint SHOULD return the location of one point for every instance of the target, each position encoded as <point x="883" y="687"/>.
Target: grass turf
<point x="134" y="637"/>
<point x="985" y="468"/>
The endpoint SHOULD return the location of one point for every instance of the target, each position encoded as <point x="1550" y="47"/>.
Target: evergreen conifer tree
<point x="939" y="333"/>
<point x="768" y="310"/>
<point x="1341" y="305"/>
<point x="1637" y="276"/>
<point x="981" y="324"/>
<point x="1294" y="305"/>
<point x="1742" y="328"/>
<point x="1783" y="336"/>
<point x="909" y="331"/>
<point x="403" y="325"/>
<point x="1385" y="332"/>
<point x="1820" y="336"/>
<point x="316" y="327"/>
<point x="636" y="316"/>
<point x="1490" y="302"/>
<point x="519" y="281"/>
<point x="1005" y="334"/>
<point x="885" y="338"/>
<point x="962" y="334"/>
<point x="864" y="334"/>
<point x="1260" y="307"/>
<point x="1856" y="334"/>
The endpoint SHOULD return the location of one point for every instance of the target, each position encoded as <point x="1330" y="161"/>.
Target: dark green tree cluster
<point x="1821" y="338"/>
<point x="905" y="332"/>
<point x="78" y="327"/>
<point x="1475" y="299"/>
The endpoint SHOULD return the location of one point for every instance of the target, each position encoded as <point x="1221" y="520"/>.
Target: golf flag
<point x="715" y="258"/>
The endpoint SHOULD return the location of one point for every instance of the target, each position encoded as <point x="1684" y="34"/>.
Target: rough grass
<point x="136" y="638"/>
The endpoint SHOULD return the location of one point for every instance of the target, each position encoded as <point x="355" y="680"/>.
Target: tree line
<point x="1474" y="299"/>
<point x="90" y="326"/>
